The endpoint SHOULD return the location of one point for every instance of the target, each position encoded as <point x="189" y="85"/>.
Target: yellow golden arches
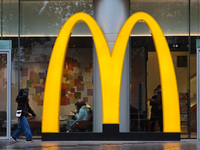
<point x="170" y="99"/>
<point x="51" y="105"/>
<point x="110" y="72"/>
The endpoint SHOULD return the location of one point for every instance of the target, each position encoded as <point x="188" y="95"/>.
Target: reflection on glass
<point x="14" y="85"/>
<point x="145" y="75"/>
<point x="145" y="78"/>
<point x="76" y="81"/>
<point x="35" y="54"/>
<point x="146" y="106"/>
<point x="172" y="16"/>
<point x="172" y="146"/>
<point x="52" y="145"/>
<point x="138" y="108"/>
<point x="9" y="17"/>
<point x="193" y="92"/>
<point x="47" y="17"/>
<point x="3" y="93"/>
<point x="44" y="21"/>
<point x="77" y="87"/>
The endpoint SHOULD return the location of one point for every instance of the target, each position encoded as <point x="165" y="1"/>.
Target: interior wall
<point x="76" y="81"/>
<point x="153" y="76"/>
<point x="3" y="89"/>
<point x="193" y="79"/>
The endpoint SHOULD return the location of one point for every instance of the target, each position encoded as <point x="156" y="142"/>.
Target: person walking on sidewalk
<point x="23" y="126"/>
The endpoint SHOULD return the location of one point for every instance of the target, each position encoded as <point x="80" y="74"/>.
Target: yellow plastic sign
<point x="111" y="65"/>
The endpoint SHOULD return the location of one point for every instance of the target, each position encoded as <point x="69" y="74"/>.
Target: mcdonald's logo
<point x="110" y="65"/>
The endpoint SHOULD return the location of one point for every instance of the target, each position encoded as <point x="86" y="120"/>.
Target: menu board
<point x="183" y="97"/>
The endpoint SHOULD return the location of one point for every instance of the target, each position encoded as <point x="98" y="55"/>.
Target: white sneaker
<point x="13" y="139"/>
<point x="30" y="141"/>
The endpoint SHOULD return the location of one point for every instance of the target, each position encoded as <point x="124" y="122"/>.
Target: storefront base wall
<point x="111" y="133"/>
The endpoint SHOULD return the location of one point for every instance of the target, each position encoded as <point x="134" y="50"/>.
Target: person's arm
<point x="158" y="100"/>
<point x="80" y="114"/>
<point x="30" y="110"/>
<point x="152" y="101"/>
<point x="26" y="90"/>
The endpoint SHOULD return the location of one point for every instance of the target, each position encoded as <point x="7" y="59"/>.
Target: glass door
<point x="5" y="93"/>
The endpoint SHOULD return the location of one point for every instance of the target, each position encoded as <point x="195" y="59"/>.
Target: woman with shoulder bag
<point x="24" y="108"/>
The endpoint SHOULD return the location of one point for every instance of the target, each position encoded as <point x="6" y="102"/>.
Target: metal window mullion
<point x="189" y="51"/>
<point x="8" y="111"/>
<point x="198" y="100"/>
<point x="8" y="94"/>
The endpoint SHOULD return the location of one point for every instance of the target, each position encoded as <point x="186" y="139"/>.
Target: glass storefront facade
<point x="35" y="51"/>
<point x="33" y="25"/>
<point x="179" y="22"/>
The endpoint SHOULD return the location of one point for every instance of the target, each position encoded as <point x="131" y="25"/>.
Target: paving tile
<point x="100" y="145"/>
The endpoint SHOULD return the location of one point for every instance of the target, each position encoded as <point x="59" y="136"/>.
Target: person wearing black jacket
<point x="22" y="100"/>
<point x="154" y="114"/>
<point x="159" y="105"/>
<point x="156" y="109"/>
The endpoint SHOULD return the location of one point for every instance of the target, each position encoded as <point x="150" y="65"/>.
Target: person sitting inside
<point x="81" y="113"/>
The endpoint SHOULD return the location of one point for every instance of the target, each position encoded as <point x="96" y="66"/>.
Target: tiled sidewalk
<point x="100" y="145"/>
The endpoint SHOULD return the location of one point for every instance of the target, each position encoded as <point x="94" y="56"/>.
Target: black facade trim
<point x="111" y="133"/>
<point x="137" y="136"/>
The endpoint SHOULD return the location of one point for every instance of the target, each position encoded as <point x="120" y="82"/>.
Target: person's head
<point x="159" y="88"/>
<point x="156" y="91"/>
<point x="78" y="106"/>
<point x="21" y="92"/>
<point x="83" y="103"/>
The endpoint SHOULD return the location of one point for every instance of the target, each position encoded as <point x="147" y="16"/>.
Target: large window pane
<point x="195" y="31"/>
<point x="76" y="80"/>
<point x="9" y="31"/>
<point x="77" y="85"/>
<point x="46" y="17"/>
<point x="3" y="93"/>
<point x="9" y="18"/>
<point x="171" y="15"/>
<point x="41" y="22"/>
<point x="173" y="18"/>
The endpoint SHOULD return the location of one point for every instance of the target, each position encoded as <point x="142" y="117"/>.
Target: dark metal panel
<point x="111" y="133"/>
